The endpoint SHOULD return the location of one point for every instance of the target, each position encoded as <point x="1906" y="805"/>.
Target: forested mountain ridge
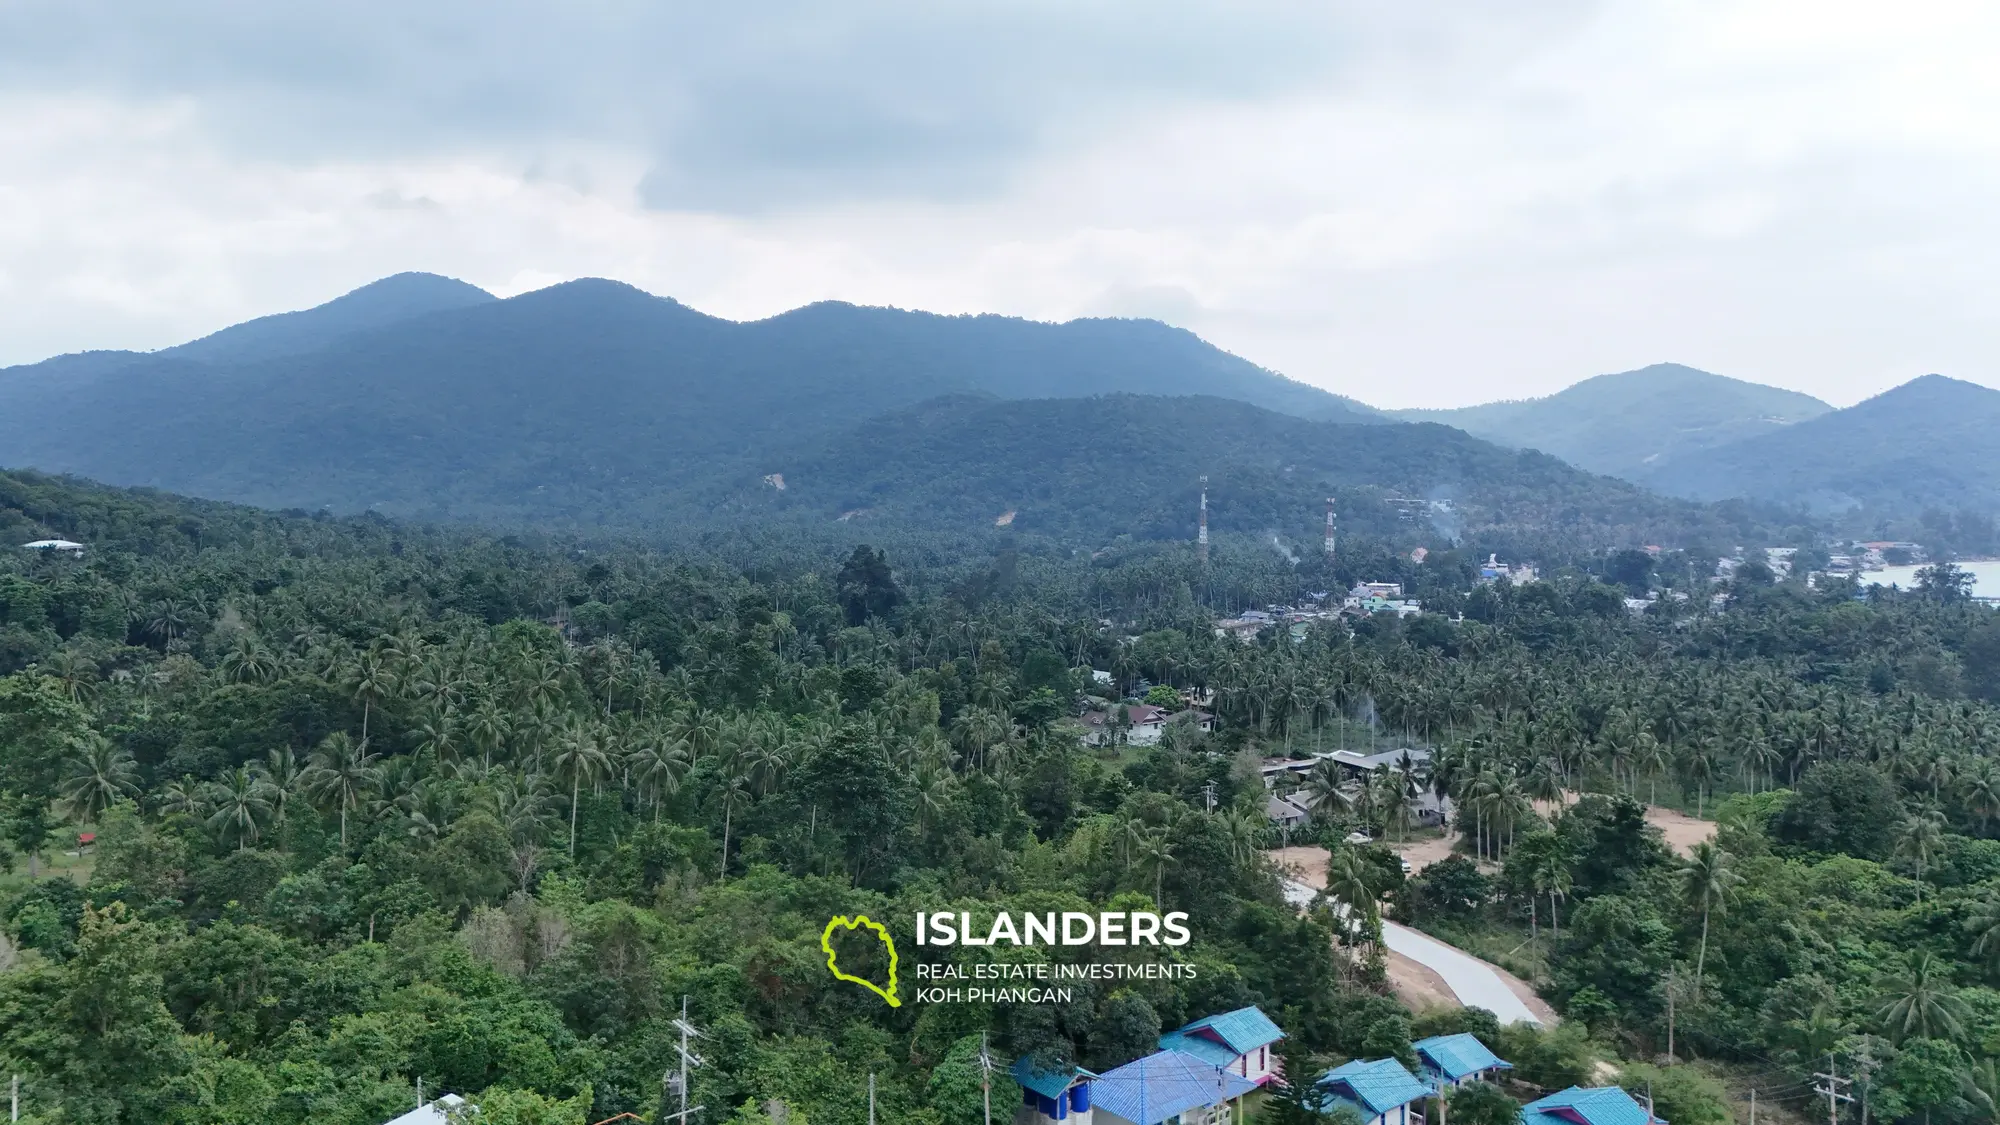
<point x="1933" y="442"/>
<point x="1094" y="469"/>
<point x="574" y="403"/>
<point x="1622" y="424"/>
<point x="376" y="805"/>
<point x="392" y="300"/>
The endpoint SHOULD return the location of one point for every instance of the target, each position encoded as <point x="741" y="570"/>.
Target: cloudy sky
<point x="1413" y="204"/>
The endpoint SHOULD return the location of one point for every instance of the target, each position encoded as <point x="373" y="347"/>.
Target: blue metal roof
<point x="1456" y="1056"/>
<point x="1047" y="1083"/>
<point x="1162" y="1086"/>
<point x="1376" y="1086"/>
<point x="1242" y="1031"/>
<point x="1597" y="1105"/>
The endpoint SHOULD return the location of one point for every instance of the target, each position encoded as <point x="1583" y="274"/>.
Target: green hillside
<point x="1933" y="442"/>
<point x="1129" y="465"/>
<point x="1621" y="424"/>
<point x="582" y="402"/>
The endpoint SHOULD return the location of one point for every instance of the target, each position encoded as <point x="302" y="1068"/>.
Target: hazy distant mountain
<point x="1932" y="442"/>
<point x="1622" y="424"/>
<point x="376" y="305"/>
<point x="577" y="402"/>
<point x="1127" y="464"/>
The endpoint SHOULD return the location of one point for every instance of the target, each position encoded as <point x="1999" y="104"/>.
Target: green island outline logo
<point x="855" y="923"/>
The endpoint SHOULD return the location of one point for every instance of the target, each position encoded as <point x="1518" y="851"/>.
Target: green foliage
<point x="1679" y="1093"/>
<point x="1482" y="1103"/>
<point x="375" y="803"/>
<point x="1841" y="807"/>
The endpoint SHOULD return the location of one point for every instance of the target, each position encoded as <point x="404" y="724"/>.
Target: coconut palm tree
<point x="341" y="774"/>
<point x="1709" y="882"/>
<point x="371" y="680"/>
<point x="240" y="802"/>
<point x="1156" y="850"/>
<point x="734" y="796"/>
<point x="1920" y="837"/>
<point x="248" y="662"/>
<point x="1351" y="880"/>
<point x="1983" y="924"/>
<point x="579" y="757"/>
<point x="1921" y="1001"/>
<point x="95" y="777"/>
<point x="282" y="771"/>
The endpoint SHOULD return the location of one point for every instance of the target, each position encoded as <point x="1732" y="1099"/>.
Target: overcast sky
<point x="1430" y="205"/>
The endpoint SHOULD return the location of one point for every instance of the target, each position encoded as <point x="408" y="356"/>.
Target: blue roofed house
<point x="1578" y="1105"/>
<point x="1444" y="1061"/>
<point x="1242" y="1042"/>
<point x="1166" y="1088"/>
<point x="1379" y="1090"/>
<point x="1052" y="1095"/>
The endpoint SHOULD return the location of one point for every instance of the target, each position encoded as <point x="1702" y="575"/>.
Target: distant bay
<point x="1985" y="577"/>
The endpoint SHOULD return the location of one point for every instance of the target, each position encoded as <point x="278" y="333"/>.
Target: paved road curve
<point x="1471" y="980"/>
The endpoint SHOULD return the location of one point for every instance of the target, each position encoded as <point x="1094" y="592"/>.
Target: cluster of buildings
<point x="1202" y="1072"/>
<point x="1363" y="599"/>
<point x="1290" y="808"/>
<point x="1139" y="724"/>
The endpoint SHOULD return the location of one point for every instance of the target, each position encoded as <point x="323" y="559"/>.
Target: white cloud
<point x="1410" y="210"/>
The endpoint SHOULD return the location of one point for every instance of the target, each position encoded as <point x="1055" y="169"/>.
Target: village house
<point x="1379" y="1091"/>
<point x="1148" y="723"/>
<point x="1445" y="1061"/>
<point x="1240" y="1042"/>
<point x="1167" y="1088"/>
<point x="1288" y="813"/>
<point x="1601" y="1105"/>
<point x="1051" y="1096"/>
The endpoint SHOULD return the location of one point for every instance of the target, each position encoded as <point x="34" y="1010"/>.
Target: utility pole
<point x="986" y="1067"/>
<point x="1834" y="1087"/>
<point x="688" y="1059"/>
<point x="14" y="1097"/>
<point x="871" y="1098"/>
<point x="1208" y="795"/>
<point x="1753" y="1105"/>
<point x="420" y="1091"/>
<point x="1864" y="1076"/>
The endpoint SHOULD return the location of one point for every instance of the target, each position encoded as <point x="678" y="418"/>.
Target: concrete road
<point x="1474" y="982"/>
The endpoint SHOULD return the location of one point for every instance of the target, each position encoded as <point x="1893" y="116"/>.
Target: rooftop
<point x="1374" y="1086"/>
<point x="1221" y="1039"/>
<point x="1600" y="1105"/>
<point x="1162" y="1086"/>
<point x="1456" y="1056"/>
<point x="1047" y="1083"/>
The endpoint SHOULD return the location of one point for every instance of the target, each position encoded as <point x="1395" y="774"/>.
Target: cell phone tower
<point x="1201" y="536"/>
<point x="1329" y="529"/>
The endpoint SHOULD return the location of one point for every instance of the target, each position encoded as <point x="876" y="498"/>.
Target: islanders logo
<point x="833" y="959"/>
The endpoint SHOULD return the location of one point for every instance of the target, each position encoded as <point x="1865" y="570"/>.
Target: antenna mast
<point x="1201" y="536"/>
<point x="1329" y="529"/>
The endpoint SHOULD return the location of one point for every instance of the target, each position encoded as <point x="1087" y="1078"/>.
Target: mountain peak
<point x="378" y="304"/>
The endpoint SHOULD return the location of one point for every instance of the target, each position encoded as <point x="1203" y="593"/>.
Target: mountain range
<point x="422" y="395"/>
<point x="592" y="403"/>
<point x="1627" y="423"/>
